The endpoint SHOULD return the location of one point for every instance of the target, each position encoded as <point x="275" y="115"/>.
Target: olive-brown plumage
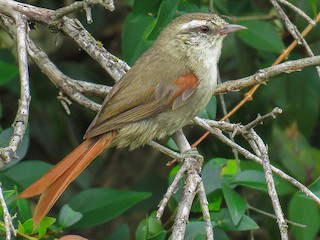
<point x="163" y="91"/>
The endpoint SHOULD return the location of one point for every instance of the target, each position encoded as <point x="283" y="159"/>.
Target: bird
<point x="163" y="91"/>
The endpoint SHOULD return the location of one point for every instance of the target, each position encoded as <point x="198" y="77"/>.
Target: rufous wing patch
<point x="186" y="84"/>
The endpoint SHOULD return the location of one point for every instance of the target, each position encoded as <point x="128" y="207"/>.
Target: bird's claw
<point x="193" y="153"/>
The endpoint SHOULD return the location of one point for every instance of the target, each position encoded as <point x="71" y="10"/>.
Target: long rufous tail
<point x="53" y="183"/>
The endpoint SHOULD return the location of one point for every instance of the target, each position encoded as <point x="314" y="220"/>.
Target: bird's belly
<point x="164" y="124"/>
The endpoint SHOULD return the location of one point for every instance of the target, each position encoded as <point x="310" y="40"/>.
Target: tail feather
<point x="53" y="184"/>
<point x="44" y="182"/>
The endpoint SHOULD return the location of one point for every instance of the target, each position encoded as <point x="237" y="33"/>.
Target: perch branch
<point x="191" y="167"/>
<point x="264" y="74"/>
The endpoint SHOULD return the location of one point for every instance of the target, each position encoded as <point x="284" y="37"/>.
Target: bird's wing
<point x="118" y="109"/>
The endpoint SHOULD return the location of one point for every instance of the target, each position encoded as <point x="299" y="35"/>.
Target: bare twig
<point x="289" y="25"/>
<point x="21" y="120"/>
<point x="261" y="151"/>
<point x="215" y="127"/>
<point x="264" y="74"/>
<point x="205" y="210"/>
<point x="7" y="217"/>
<point x="72" y="88"/>
<point x="260" y="119"/>
<point x="298" y="11"/>
<point x="274" y="217"/>
<point x="79" y="5"/>
<point x="114" y="66"/>
<point x="292" y="28"/>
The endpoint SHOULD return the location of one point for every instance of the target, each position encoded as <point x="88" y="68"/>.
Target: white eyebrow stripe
<point x="192" y="24"/>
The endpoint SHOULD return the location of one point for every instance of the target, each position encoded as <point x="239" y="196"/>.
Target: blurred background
<point x="293" y="138"/>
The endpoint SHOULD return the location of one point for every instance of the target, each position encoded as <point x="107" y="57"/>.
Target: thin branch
<point x="172" y="189"/>
<point x="192" y="175"/>
<point x="7" y="217"/>
<point x="289" y="25"/>
<point x="261" y="151"/>
<point x="274" y="217"/>
<point x="187" y="196"/>
<point x="21" y="121"/>
<point x="215" y="127"/>
<point x="72" y="88"/>
<point x="260" y="119"/>
<point x="264" y="74"/>
<point x="114" y="66"/>
<point x="298" y="11"/>
<point x="79" y="5"/>
<point x="292" y="28"/>
<point x="205" y="211"/>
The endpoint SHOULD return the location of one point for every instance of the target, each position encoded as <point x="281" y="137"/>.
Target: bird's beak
<point x="229" y="28"/>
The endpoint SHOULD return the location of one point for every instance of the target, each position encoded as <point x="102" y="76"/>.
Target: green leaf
<point x="261" y="35"/>
<point x="160" y="236"/>
<point x="8" y="72"/>
<point x="45" y="223"/>
<point x="150" y="228"/>
<point x="68" y="217"/>
<point x="166" y="13"/>
<point x="121" y="232"/>
<point x="235" y="203"/>
<point x="293" y="150"/>
<point x="304" y="211"/>
<point x="196" y="231"/>
<point x="134" y="36"/>
<point x="21" y="231"/>
<point x="217" y="171"/>
<point x="214" y="200"/>
<point x="189" y="6"/>
<point x="251" y="178"/>
<point x="142" y="7"/>
<point x="172" y="144"/>
<point x="210" y="110"/>
<point x="101" y="205"/>
<point x="24" y="209"/>
<point x="26" y="172"/>
<point x="223" y="220"/>
<point x="302" y="105"/>
<point x="5" y="137"/>
<point x="313" y="4"/>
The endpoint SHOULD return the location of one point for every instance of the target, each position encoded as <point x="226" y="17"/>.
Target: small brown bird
<point x="163" y="91"/>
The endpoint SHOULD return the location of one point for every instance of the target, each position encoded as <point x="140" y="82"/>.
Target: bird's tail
<point x="53" y="183"/>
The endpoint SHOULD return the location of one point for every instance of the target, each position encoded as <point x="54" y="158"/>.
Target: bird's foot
<point x="193" y="152"/>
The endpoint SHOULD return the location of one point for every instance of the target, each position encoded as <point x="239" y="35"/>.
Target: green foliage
<point x="307" y="215"/>
<point x="261" y="35"/>
<point x="5" y="137"/>
<point x="8" y="67"/>
<point x="150" y="228"/>
<point x="293" y="138"/>
<point x="100" y="205"/>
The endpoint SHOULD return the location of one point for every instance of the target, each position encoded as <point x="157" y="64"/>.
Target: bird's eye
<point x="204" y="29"/>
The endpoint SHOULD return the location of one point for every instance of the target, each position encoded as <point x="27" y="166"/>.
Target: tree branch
<point x="21" y="121"/>
<point x="262" y="75"/>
